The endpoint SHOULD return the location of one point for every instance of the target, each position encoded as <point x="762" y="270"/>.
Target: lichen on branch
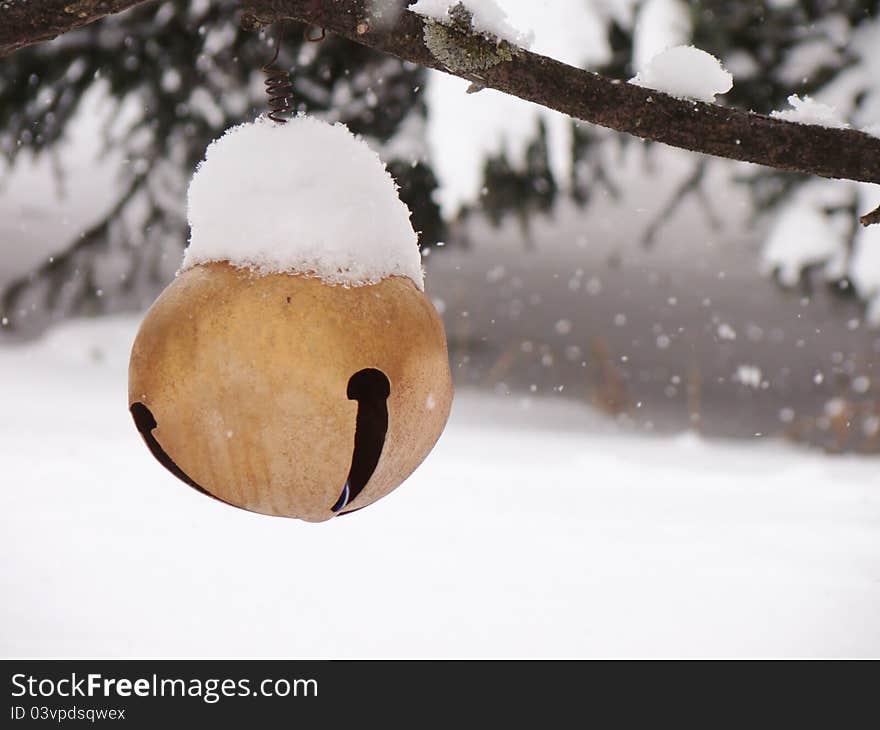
<point x="460" y="47"/>
<point x="647" y="113"/>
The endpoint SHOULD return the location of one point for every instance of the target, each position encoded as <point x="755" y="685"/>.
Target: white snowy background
<point x="537" y="527"/>
<point x="533" y="529"/>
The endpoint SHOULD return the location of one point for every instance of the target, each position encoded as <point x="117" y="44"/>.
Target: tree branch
<point x="871" y="218"/>
<point x="25" y="23"/>
<point x="692" y="125"/>
<point x="380" y="24"/>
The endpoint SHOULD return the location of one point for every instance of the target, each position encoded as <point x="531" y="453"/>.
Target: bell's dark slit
<point x="145" y="422"/>
<point x="370" y="388"/>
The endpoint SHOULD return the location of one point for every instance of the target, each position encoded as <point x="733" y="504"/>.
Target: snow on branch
<point x="498" y="64"/>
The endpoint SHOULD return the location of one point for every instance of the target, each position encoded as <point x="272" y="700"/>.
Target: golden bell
<point x="287" y="396"/>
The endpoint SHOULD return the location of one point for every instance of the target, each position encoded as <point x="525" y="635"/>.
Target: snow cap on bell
<point x="295" y="366"/>
<point x="306" y="197"/>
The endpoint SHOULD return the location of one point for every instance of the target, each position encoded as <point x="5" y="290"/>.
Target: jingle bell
<point x="284" y="371"/>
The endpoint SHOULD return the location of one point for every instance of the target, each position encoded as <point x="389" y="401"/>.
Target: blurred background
<point x="634" y="332"/>
<point x="670" y="290"/>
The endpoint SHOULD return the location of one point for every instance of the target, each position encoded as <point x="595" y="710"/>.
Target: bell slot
<point x="370" y="388"/>
<point x="145" y="423"/>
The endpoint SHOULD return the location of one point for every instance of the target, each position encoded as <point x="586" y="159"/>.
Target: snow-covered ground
<point x="534" y="529"/>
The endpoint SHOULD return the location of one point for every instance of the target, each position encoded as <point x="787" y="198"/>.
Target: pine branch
<point x="692" y="125"/>
<point x="26" y="23"/>
<point x="380" y="24"/>
<point x="60" y="268"/>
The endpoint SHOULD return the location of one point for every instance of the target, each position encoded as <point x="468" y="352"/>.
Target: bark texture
<point x="25" y="22"/>
<point x="692" y="125"/>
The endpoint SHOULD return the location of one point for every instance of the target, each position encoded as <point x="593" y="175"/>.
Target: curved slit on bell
<point x="370" y="388"/>
<point x="145" y="423"/>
